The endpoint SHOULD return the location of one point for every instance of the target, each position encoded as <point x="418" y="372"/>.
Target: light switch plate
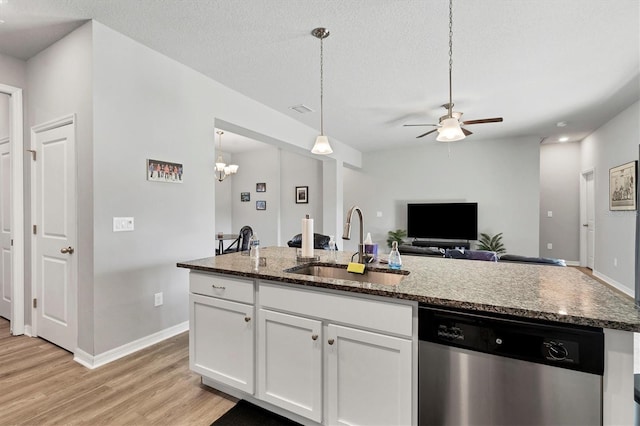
<point x="122" y="224"/>
<point x="549" y="213"/>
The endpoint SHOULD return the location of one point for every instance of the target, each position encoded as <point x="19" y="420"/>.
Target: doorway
<point x="13" y="210"/>
<point x="587" y="219"/>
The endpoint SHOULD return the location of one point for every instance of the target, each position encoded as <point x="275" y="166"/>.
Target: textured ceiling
<point x="386" y="62"/>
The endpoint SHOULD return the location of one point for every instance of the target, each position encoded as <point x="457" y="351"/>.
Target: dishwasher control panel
<point x="572" y="347"/>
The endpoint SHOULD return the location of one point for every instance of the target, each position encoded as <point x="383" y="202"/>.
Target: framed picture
<point x="261" y="205"/>
<point x="164" y="171"/>
<point x="245" y="196"/>
<point x="302" y="194"/>
<point x="261" y="187"/>
<point x="622" y="186"/>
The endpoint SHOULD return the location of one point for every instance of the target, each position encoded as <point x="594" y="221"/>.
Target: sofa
<point x="411" y="250"/>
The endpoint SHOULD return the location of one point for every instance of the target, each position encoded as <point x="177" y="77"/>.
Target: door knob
<point x="67" y="250"/>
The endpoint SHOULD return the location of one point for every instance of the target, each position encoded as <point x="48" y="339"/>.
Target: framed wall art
<point x="302" y="194"/>
<point x="245" y="196"/>
<point x="164" y="171"/>
<point x="622" y="186"/>
<point x="261" y="205"/>
<point x="261" y="187"/>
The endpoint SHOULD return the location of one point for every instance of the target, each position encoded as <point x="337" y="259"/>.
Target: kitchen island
<point x="288" y="306"/>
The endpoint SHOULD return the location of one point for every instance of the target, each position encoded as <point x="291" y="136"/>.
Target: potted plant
<point x="397" y="235"/>
<point x="491" y="243"/>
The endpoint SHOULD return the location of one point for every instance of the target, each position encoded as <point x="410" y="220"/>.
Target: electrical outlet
<point x="549" y="213"/>
<point x="157" y="299"/>
<point x="378" y="214"/>
<point x="549" y="246"/>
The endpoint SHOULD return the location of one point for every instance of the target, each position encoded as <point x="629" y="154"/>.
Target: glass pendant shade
<point x="450" y="131"/>
<point x="322" y="146"/>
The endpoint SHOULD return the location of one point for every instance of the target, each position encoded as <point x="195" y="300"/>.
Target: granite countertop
<point x="561" y="294"/>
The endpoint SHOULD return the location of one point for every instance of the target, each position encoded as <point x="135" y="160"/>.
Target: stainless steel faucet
<point x="346" y="235"/>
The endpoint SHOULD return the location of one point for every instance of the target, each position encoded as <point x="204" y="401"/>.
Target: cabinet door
<point x="221" y="341"/>
<point x="369" y="377"/>
<point x="290" y="363"/>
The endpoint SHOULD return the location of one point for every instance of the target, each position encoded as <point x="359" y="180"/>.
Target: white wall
<point x="282" y="171"/>
<point x="59" y="81"/>
<point x="298" y="170"/>
<point x="560" y="194"/>
<point x="611" y="145"/>
<point x="149" y="106"/>
<point x="501" y="175"/>
<point x="258" y="166"/>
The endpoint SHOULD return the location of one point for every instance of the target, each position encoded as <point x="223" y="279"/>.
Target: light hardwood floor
<point x="40" y="384"/>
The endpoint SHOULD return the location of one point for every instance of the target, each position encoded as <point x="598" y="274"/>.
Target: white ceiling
<point x="535" y="63"/>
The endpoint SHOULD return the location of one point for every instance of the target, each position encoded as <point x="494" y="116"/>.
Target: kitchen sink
<point x="371" y="275"/>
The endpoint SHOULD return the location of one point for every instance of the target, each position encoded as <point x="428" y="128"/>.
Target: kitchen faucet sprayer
<point x="346" y="235"/>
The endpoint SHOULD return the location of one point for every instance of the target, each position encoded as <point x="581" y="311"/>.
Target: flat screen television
<point x="446" y="221"/>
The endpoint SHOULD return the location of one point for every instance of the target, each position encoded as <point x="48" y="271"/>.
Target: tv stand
<point x="442" y="244"/>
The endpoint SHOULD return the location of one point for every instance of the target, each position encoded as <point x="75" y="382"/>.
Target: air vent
<point x="302" y="109"/>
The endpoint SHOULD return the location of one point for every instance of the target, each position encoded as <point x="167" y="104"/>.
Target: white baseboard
<point x="27" y="330"/>
<point x="613" y="283"/>
<point x="94" y="361"/>
<point x="572" y="262"/>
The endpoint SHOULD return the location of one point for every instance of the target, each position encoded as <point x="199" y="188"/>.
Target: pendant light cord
<point x="450" y="55"/>
<point x="321" y="86"/>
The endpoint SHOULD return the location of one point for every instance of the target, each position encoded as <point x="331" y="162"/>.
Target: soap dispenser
<point x="395" y="262"/>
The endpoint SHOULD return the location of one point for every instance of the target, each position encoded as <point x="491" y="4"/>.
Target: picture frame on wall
<point x="302" y="194"/>
<point x="623" y="186"/>
<point x="261" y="205"/>
<point x="245" y="196"/>
<point x="261" y="187"/>
<point x="164" y="171"/>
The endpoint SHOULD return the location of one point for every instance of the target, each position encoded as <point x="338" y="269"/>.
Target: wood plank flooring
<point x="40" y="384"/>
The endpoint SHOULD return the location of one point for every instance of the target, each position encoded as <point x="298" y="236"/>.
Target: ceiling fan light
<point x="450" y="131"/>
<point x="322" y="146"/>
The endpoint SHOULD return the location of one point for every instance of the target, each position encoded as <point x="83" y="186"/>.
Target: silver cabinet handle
<point x="314" y="337"/>
<point x="218" y="287"/>
<point x="585" y="224"/>
<point x="331" y="341"/>
<point x="67" y="250"/>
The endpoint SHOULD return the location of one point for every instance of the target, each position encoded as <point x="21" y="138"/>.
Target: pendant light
<point x="222" y="169"/>
<point x="322" y="146"/>
<point x="450" y="130"/>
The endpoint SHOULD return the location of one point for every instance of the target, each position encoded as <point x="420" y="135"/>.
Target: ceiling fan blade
<point x="425" y="134"/>
<point x="483" y="120"/>
<point x="409" y="125"/>
<point x="466" y="132"/>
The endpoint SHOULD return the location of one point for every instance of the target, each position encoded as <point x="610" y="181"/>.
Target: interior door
<point x="5" y="229"/>
<point x="55" y="234"/>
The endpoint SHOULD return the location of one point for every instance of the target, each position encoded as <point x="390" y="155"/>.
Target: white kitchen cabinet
<point x="290" y="363"/>
<point x="221" y="332"/>
<point x="369" y="377"/>
<point x="365" y="347"/>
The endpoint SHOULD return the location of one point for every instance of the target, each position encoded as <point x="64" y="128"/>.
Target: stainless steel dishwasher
<point x="485" y="370"/>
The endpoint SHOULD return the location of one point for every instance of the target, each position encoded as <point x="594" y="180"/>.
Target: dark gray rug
<point x="247" y="414"/>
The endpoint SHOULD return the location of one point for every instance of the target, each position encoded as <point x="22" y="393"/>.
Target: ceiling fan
<point x="455" y="116"/>
<point x="449" y="126"/>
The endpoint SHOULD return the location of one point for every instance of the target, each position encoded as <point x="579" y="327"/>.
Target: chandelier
<point x="222" y="169"/>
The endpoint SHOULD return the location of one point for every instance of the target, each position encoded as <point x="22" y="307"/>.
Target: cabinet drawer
<point x="373" y="314"/>
<point x="240" y="290"/>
